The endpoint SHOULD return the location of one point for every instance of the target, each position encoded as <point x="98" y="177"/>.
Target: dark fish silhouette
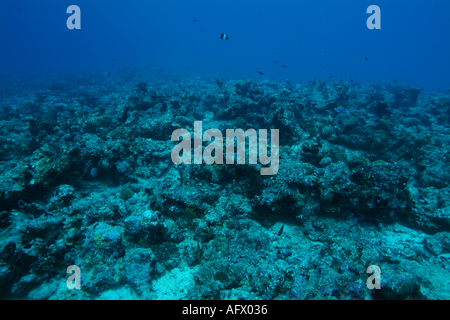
<point x="283" y="66"/>
<point x="276" y="61"/>
<point x="195" y="20"/>
<point x="224" y="36"/>
<point x="109" y="74"/>
<point x="260" y="72"/>
<point x="124" y="116"/>
<point x="324" y="48"/>
<point x="328" y="64"/>
<point x="299" y="47"/>
<point x="366" y="58"/>
<point x="113" y="59"/>
<point x="280" y="232"/>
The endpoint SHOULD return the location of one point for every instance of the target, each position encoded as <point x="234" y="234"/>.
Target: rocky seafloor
<point x="87" y="179"/>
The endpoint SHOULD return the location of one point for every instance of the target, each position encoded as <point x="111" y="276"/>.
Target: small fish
<point x="366" y="58"/>
<point x="331" y="77"/>
<point x="328" y="64"/>
<point x="299" y="47"/>
<point x="224" y="36"/>
<point x="113" y="59"/>
<point x="260" y="73"/>
<point x="124" y="116"/>
<point x="109" y="74"/>
<point x="94" y="172"/>
<point x="280" y="232"/>
<point x="340" y="110"/>
<point x="324" y="48"/>
<point x="195" y="20"/>
<point x="276" y="61"/>
<point x="283" y="66"/>
<point x="350" y="79"/>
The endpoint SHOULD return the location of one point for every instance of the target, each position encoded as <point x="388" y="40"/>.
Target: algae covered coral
<point x="368" y="186"/>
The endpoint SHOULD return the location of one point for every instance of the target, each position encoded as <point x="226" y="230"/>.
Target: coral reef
<point x="87" y="180"/>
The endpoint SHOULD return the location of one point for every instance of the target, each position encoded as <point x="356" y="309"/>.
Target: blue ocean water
<point x="108" y="190"/>
<point x="410" y="47"/>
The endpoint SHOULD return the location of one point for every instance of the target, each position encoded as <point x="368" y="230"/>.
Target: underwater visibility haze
<point x="119" y="166"/>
